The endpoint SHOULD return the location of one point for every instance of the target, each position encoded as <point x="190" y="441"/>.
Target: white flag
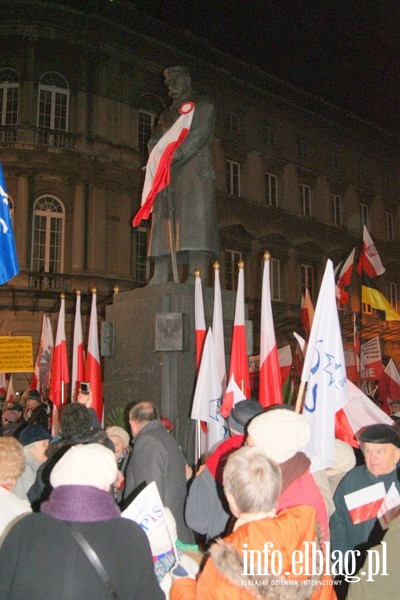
<point x="324" y="371"/>
<point x="207" y="397"/>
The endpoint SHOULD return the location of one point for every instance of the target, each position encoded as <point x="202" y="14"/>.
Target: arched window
<point x="150" y="108"/>
<point x="53" y="101"/>
<point x="9" y="99"/>
<point x="48" y="235"/>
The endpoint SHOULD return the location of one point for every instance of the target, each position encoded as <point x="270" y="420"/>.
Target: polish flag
<point x="93" y="371"/>
<point x="232" y="396"/>
<point x="3" y="383"/>
<point x="199" y="320"/>
<point x="270" y="391"/>
<point x="285" y="361"/>
<point x="218" y="328"/>
<point x="239" y="363"/>
<point x="369" y="260"/>
<point x="158" y="172"/>
<point x="78" y="359"/>
<point x="352" y="365"/>
<point x="10" y="397"/>
<point x="389" y="383"/>
<point x="307" y="312"/>
<point x="364" y="504"/>
<point x="59" y="366"/>
<point x="343" y="278"/>
<point x="360" y="411"/>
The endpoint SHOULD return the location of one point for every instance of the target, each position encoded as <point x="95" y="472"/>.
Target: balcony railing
<point x="55" y="138"/>
<point x="8" y="134"/>
<point x="54" y="282"/>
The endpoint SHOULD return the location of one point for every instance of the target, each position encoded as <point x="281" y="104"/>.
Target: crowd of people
<point x="251" y="521"/>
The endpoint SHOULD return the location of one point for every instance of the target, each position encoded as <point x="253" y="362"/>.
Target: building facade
<point x="81" y="89"/>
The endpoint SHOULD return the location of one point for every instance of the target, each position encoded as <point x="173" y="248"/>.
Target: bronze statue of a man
<point x="187" y="204"/>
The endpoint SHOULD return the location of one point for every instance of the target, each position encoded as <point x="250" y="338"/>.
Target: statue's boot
<point x="161" y="271"/>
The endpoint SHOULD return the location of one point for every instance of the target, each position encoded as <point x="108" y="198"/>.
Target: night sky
<point x="346" y="51"/>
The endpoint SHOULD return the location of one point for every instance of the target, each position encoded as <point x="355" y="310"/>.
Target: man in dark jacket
<point x="157" y="457"/>
<point x="35" y="410"/>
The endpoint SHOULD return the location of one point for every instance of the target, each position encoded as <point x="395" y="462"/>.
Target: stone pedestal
<point x="154" y="351"/>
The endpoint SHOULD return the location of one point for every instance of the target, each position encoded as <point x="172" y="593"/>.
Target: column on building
<point x="96" y="242"/>
<point x="78" y="229"/>
<point x="21" y="221"/>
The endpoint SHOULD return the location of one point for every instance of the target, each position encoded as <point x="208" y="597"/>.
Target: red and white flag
<point x="343" y="278"/>
<point x="352" y="365"/>
<point x="270" y="390"/>
<point x="239" y="363"/>
<point x="3" y="383"/>
<point x="307" y="312"/>
<point x="218" y="328"/>
<point x="93" y="370"/>
<point x="360" y="411"/>
<point x="78" y="358"/>
<point x="324" y="370"/>
<point x="59" y="365"/>
<point x="233" y="395"/>
<point x="199" y="320"/>
<point x="364" y="504"/>
<point x="390" y="507"/>
<point x="10" y="396"/>
<point x="207" y="396"/>
<point x="44" y="357"/>
<point x="369" y="260"/>
<point x="389" y="383"/>
<point x="158" y="172"/>
<point x="285" y="361"/>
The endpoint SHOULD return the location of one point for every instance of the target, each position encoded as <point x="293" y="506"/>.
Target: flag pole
<point x="300" y="397"/>
<point x="359" y="329"/>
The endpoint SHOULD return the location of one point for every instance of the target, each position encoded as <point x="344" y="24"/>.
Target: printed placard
<point x="16" y="355"/>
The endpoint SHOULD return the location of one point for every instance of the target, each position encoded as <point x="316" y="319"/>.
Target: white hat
<point x="85" y="464"/>
<point x="280" y="433"/>
<point x="116" y="431"/>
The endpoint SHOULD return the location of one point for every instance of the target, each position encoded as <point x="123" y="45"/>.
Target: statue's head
<point x="178" y="81"/>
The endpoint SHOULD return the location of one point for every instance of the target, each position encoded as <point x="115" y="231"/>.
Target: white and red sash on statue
<point x="158" y="168"/>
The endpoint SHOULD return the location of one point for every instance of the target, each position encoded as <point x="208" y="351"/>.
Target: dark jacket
<point x="39" y="416"/>
<point x="41" y="560"/>
<point x="157" y="457"/>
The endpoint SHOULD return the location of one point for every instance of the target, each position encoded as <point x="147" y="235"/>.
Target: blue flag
<point x="8" y="255"/>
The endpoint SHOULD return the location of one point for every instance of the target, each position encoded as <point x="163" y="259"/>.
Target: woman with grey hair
<point x="256" y="560"/>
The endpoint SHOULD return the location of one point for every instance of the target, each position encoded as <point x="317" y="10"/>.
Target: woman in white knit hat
<point x="79" y="546"/>
<point x="282" y="434"/>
